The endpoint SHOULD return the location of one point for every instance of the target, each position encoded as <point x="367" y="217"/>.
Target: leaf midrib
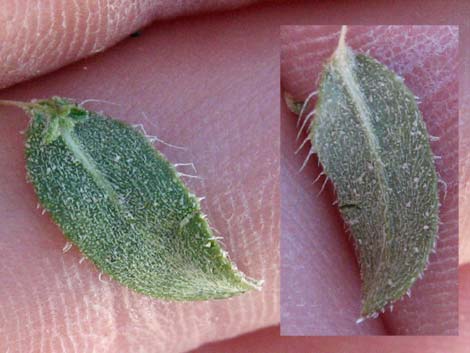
<point x="88" y="163"/>
<point x="345" y="60"/>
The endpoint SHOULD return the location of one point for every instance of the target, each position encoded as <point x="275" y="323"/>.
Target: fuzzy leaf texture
<point x="372" y="142"/>
<point x="122" y="203"/>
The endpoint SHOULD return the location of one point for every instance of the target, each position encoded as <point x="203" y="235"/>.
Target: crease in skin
<point x="86" y="34"/>
<point x="40" y="43"/>
<point x="39" y="39"/>
<point x="75" y="31"/>
<point x="68" y="318"/>
<point x="75" y="299"/>
<point x="42" y="318"/>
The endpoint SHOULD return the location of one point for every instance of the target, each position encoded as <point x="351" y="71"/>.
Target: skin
<point x="38" y="37"/>
<point x="326" y="300"/>
<point x="268" y="340"/>
<point x="464" y="165"/>
<point x="42" y="289"/>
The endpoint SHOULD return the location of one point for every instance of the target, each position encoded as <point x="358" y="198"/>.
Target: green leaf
<point x="124" y="206"/>
<point x="370" y="137"/>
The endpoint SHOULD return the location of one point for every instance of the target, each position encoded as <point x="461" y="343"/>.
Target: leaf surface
<point x="373" y="144"/>
<point x="122" y="203"/>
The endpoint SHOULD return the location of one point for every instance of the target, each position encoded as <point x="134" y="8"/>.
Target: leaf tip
<point x="341" y="49"/>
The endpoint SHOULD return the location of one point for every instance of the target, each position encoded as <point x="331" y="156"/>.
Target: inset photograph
<point x="369" y="180"/>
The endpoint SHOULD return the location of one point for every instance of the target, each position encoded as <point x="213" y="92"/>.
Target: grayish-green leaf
<point x="124" y="206"/>
<point x="372" y="142"/>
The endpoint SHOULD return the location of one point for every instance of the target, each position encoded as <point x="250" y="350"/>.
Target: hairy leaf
<point x="123" y="204"/>
<point x="370" y="137"/>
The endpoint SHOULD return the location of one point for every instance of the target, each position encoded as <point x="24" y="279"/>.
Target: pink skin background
<point x="326" y="299"/>
<point x="211" y="83"/>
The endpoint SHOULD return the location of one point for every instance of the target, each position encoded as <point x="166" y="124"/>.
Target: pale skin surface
<point x="159" y="324"/>
<point x="326" y="300"/>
